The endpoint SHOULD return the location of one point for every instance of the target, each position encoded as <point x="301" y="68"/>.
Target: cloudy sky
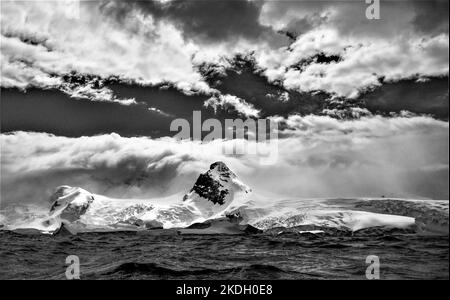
<point x="89" y="90"/>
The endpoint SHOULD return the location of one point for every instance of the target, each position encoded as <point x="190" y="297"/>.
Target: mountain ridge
<point x="220" y="203"/>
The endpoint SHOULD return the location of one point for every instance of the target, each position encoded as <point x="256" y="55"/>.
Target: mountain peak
<point x="219" y="166"/>
<point x="70" y="203"/>
<point x="215" y="189"/>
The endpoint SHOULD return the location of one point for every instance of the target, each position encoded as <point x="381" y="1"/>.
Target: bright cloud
<point x="318" y="157"/>
<point x="143" y="51"/>
<point x="153" y="44"/>
<point x="240" y="105"/>
<point x="363" y="62"/>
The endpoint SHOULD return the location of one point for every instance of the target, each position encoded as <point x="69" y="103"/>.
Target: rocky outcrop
<point x="153" y="225"/>
<point x="220" y="226"/>
<point x="214" y="191"/>
<point x="64" y="231"/>
<point x="217" y="183"/>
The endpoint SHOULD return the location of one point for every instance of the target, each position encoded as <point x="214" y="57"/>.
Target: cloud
<point x="410" y="40"/>
<point x="57" y="112"/>
<point x="234" y="102"/>
<point x="151" y="43"/>
<point x="92" y="44"/>
<point x="349" y="18"/>
<point x="428" y="96"/>
<point x="431" y="16"/>
<point x="369" y="156"/>
<point x="20" y="64"/>
<point x="243" y="80"/>
<point x="363" y="62"/>
<point x="202" y="20"/>
<point x="109" y="164"/>
<point x="90" y="90"/>
<point x="318" y="157"/>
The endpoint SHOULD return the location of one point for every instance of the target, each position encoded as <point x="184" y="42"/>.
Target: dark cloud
<point x="53" y="111"/>
<point x="397" y="17"/>
<point x="432" y="16"/>
<point x="125" y="175"/>
<point x="244" y="81"/>
<point x="297" y="27"/>
<point x="202" y="20"/>
<point x="429" y="97"/>
<point x="56" y="112"/>
<point x="319" y="58"/>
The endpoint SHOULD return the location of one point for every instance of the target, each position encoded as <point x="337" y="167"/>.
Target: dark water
<point x="137" y="256"/>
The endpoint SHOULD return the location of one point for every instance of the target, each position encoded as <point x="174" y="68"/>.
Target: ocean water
<point x="131" y="255"/>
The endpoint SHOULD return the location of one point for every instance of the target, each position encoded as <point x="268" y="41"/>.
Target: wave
<point x="130" y="269"/>
<point x="120" y="255"/>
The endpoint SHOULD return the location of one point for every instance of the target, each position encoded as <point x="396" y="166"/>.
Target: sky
<point x="89" y="90"/>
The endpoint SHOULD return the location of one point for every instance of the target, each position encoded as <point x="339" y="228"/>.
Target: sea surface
<point x="131" y="255"/>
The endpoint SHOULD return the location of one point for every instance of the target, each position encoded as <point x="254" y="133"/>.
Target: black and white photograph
<point x="192" y="141"/>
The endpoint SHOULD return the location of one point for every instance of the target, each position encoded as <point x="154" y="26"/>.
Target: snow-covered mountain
<point x="221" y="202"/>
<point x="215" y="190"/>
<point x="213" y="193"/>
<point x="70" y="203"/>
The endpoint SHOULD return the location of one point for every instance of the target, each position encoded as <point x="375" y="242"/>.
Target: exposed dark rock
<point x="64" y="231"/>
<point x="139" y="223"/>
<point x="235" y="217"/>
<point x="249" y="229"/>
<point x="133" y="221"/>
<point x="231" y="227"/>
<point x="221" y="168"/>
<point x="208" y="188"/>
<point x="199" y="225"/>
<point x="153" y="224"/>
